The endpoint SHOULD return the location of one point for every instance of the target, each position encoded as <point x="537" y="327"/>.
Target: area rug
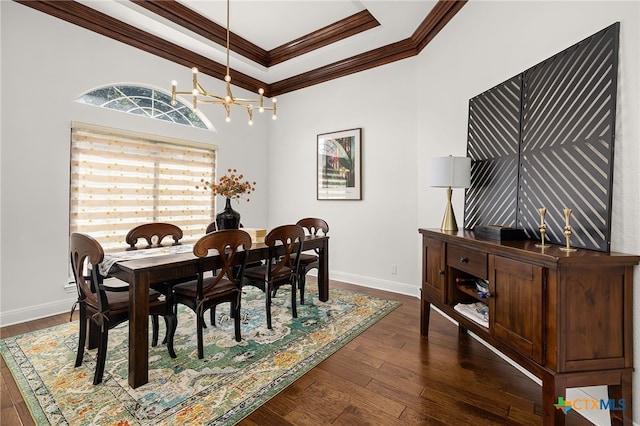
<point x="231" y="381"/>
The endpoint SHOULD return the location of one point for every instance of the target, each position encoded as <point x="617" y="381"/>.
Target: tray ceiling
<point x="280" y="45"/>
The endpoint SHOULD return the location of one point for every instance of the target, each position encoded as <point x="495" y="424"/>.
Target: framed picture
<point x="339" y="165"/>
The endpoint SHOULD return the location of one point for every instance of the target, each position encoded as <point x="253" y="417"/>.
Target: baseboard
<point x="36" y="312"/>
<point x="378" y="284"/>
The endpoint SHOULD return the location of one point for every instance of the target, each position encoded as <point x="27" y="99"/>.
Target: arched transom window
<point x="147" y="102"/>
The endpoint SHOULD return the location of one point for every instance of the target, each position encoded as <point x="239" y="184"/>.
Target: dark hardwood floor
<point x="388" y="375"/>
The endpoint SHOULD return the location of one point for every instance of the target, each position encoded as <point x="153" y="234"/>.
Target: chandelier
<point x="200" y="95"/>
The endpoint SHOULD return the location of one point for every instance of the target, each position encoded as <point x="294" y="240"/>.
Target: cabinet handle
<point x="464" y="259"/>
<point x="440" y="272"/>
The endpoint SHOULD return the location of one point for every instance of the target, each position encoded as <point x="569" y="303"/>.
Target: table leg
<point x="139" y="331"/>
<point x="323" y="272"/>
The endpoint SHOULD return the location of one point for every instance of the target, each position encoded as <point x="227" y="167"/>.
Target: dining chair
<point x="105" y="308"/>
<point x="211" y="228"/>
<point x="154" y="233"/>
<point x="206" y="292"/>
<point x="308" y="261"/>
<point x="285" y="244"/>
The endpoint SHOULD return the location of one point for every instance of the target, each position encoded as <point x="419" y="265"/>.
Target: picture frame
<point x="339" y="166"/>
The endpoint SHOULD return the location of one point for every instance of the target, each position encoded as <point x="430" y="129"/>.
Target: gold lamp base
<point x="449" y="222"/>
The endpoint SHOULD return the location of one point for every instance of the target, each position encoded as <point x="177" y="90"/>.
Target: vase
<point x="228" y="218"/>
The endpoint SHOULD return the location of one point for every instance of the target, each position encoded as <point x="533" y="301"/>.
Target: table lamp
<point x="450" y="172"/>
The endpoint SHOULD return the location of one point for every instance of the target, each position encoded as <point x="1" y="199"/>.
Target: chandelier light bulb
<point x="174" y="83"/>
<point x="261" y="109"/>
<point x="228" y="119"/>
<point x="227" y="98"/>
<point x="274" y="100"/>
<point x="194" y="70"/>
<point x="274" y="117"/>
<point x="227" y="78"/>
<point x="194" y="92"/>
<point x="261" y="91"/>
<point x="250" y="122"/>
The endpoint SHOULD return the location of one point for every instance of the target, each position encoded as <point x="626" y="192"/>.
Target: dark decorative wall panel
<point x="564" y="149"/>
<point x="493" y="146"/>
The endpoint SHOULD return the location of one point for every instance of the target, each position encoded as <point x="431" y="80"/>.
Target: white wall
<point x="371" y="235"/>
<point x="46" y="64"/>
<point x="488" y="42"/>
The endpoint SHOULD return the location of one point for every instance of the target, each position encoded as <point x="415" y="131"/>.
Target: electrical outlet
<point x="394" y="269"/>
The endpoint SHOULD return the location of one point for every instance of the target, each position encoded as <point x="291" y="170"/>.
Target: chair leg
<point x="199" y="327"/>
<point x="294" y="297"/>
<point x="235" y="307"/>
<point x="102" y="356"/>
<point x="82" y="338"/>
<point x="154" y="322"/>
<point x="174" y="310"/>
<point x="268" y="304"/>
<point x="212" y="314"/>
<point x="94" y="334"/>
<point x="171" y="322"/>
<point x="301" y="282"/>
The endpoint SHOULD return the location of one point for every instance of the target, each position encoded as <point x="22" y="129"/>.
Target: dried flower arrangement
<point x="230" y="185"/>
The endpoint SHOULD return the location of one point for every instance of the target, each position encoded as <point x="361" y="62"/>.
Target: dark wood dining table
<point x="140" y="273"/>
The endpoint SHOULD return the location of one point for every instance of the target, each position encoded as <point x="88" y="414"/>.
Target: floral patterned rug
<point x="231" y="381"/>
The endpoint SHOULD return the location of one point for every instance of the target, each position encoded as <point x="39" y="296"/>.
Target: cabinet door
<point x="515" y="308"/>
<point x="433" y="274"/>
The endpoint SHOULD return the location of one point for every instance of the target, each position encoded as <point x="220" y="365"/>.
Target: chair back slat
<point x="289" y="238"/>
<point x="314" y="225"/>
<point x="86" y="254"/>
<point x="232" y="246"/>
<point x="153" y="233"/>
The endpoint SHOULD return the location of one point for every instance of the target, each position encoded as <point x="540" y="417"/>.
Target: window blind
<point x="121" y="181"/>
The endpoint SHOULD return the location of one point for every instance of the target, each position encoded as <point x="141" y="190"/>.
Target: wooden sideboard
<point x="567" y="317"/>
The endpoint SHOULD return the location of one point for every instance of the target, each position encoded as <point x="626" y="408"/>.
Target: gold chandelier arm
<point x="244" y="100"/>
<point x="217" y="100"/>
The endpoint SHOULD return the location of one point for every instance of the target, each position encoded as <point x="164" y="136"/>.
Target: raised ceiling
<point x="279" y="45"/>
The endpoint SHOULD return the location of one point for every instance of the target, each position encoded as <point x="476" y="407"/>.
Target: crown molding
<point x="86" y="17"/>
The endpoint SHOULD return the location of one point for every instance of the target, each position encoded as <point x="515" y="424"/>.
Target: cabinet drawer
<point x="468" y="260"/>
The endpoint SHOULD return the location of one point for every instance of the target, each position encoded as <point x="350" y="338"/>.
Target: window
<point x="121" y="180"/>
<point x="144" y="101"/>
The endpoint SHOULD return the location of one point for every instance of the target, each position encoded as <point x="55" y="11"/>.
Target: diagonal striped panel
<point x="493" y="145"/>
<point x="568" y="123"/>
<point x="491" y="198"/>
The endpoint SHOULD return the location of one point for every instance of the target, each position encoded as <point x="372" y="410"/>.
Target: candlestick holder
<point x="542" y="228"/>
<point x="567" y="231"/>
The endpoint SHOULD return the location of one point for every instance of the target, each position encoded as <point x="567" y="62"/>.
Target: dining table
<point x="140" y="270"/>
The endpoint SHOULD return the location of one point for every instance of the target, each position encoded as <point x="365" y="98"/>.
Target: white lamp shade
<point x="454" y="172"/>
